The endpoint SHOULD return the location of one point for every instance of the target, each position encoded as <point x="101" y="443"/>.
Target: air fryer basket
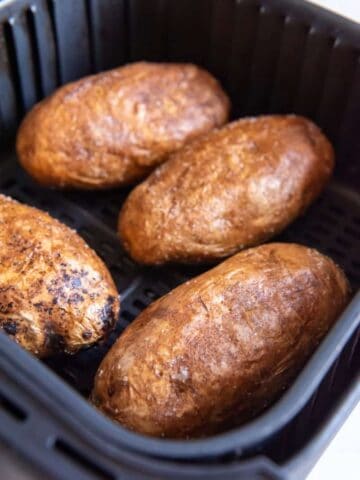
<point x="271" y="56"/>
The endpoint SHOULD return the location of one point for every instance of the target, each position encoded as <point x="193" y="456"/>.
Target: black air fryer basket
<point x="271" y="56"/>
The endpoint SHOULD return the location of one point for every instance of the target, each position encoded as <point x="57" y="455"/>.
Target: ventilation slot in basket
<point x="12" y="408"/>
<point x="81" y="461"/>
<point x="127" y="316"/>
<point x="314" y="69"/>
<point x="189" y="30"/>
<point x="52" y="27"/>
<point x="334" y="97"/>
<point x="289" y="66"/>
<point x="30" y="22"/>
<point x="90" y="27"/>
<point x="241" y="53"/>
<point x="13" y="72"/>
<point x="262" y="72"/>
<point x="28" y="63"/>
<point x="72" y="38"/>
<point x="148" y="29"/>
<point x="8" y="94"/>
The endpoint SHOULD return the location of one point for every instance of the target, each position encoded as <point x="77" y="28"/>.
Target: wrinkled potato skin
<point x="55" y="293"/>
<point x="233" y="188"/>
<point x="113" y="128"/>
<point x="221" y="347"/>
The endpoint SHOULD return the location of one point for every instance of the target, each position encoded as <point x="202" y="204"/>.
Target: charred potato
<point x="221" y="347"/>
<point x="233" y="188"/>
<point x="55" y="293"/>
<point x="113" y="128"/>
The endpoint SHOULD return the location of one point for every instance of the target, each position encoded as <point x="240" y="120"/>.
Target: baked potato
<point x="113" y="128"/>
<point x="56" y="295"/>
<point x="233" y="188"/>
<point x="221" y="347"/>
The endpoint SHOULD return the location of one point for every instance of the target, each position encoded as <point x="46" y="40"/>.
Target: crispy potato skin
<point x="221" y="347"/>
<point x="233" y="188"/>
<point x="113" y="128"/>
<point x="55" y="293"/>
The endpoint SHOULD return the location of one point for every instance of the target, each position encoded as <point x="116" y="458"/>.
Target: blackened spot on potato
<point x="43" y="307"/>
<point x="54" y="301"/>
<point x="39" y="305"/>
<point x="86" y="335"/>
<point x="53" y="340"/>
<point x="76" y="282"/>
<point x="6" y="307"/>
<point x="66" y="277"/>
<point x="76" y="273"/>
<point x="56" y="289"/>
<point x="179" y="387"/>
<point x="10" y="327"/>
<point x="111" y="391"/>
<point x="5" y="289"/>
<point x="106" y="324"/>
<point x="76" y="298"/>
<point x="108" y="315"/>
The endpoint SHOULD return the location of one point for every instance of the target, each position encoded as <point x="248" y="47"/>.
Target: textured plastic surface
<point x="278" y="56"/>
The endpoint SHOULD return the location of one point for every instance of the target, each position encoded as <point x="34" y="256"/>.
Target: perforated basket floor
<point x="332" y="225"/>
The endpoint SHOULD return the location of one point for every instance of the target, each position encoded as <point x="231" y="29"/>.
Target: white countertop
<point x="347" y="8"/>
<point x="341" y="460"/>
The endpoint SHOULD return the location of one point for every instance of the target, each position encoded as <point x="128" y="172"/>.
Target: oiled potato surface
<point x="113" y="128"/>
<point x="55" y="293"/>
<point x="221" y="347"/>
<point x="233" y="188"/>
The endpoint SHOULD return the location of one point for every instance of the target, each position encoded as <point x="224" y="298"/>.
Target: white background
<point x="341" y="460"/>
<point x="347" y="8"/>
